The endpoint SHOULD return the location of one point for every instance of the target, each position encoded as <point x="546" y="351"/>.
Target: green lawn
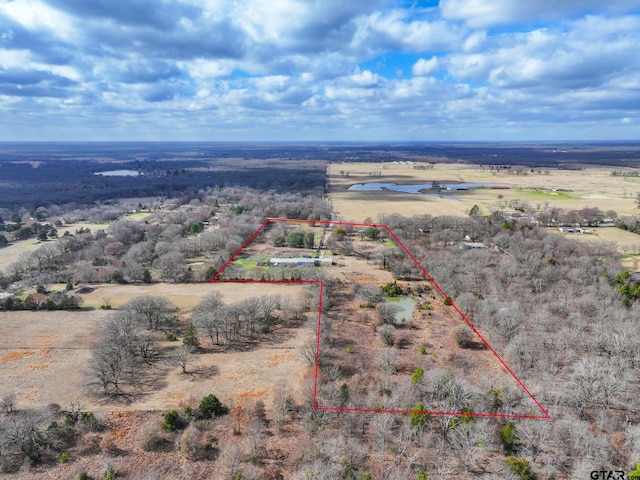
<point x="136" y="216"/>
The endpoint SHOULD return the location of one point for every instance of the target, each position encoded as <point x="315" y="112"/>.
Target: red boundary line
<point x="318" y="336"/>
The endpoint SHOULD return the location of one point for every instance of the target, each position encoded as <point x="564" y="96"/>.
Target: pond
<point x="415" y="189"/>
<point x="119" y="173"/>
<point x="404" y="307"/>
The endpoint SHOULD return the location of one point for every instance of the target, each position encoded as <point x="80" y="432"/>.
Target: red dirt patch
<point x="16" y="355"/>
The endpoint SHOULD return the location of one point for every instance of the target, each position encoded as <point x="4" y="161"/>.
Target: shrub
<point x="372" y="233"/>
<point x="109" y="471"/>
<point x="151" y="439"/>
<point x="90" y="421"/>
<point x="191" y="444"/>
<point x="190" y="338"/>
<point x="508" y="437"/>
<point x="81" y="476"/>
<point x="418" y="419"/>
<point x="64" y="456"/>
<point x="521" y="467"/>
<point x="210" y="407"/>
<point x="417" y="376"/>
<point x="392" y="289"/>
<point x="173" y="421"/>
<point x="295" y="240"/>
<point x="423" y="351"/>
<point x="388" y="334"/>
<point x="464" y="337"/>
<point x="146" y="276"/>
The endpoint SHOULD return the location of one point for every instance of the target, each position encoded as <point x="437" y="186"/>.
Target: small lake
<point x="119" y="173"/>
<point x="377" y="186"/>
<point x="405" y="307"/>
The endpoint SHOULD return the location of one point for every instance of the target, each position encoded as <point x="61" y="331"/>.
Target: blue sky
<point x="463" y="70"/>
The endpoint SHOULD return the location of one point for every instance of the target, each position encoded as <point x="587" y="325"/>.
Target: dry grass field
<point x="591" y="187"/>
<point x="44" y="355"/>
<point x="12" y="252"/>
<point x="183" y="296"/>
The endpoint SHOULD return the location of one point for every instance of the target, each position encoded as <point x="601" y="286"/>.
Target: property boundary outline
<point x="399" y="243"/>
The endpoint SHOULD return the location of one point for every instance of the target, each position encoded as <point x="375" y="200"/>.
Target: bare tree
<point x="386" y="313"/>
<point x="157" y="312"/>
<point x="383" y="424"/>
<point x="8" y="403"/>
<point x="182" y="356"/>
<point x="208" y="316"/>
<point x="387" y="334"/>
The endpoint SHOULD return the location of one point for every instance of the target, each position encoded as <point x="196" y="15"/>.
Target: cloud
<point x="279" y="68"/>
<point x="425" y="67"/>
<point x="159" y="14"/>
<point x="33" y="83"/>
<point x="482" y="14"/>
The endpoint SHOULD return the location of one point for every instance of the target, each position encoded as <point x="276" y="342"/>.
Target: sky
<point x="319" y="70"/>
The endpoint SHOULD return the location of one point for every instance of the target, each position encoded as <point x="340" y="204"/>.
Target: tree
<point x="388" y="334"/>
<point x="146" y="276"/>
<point x="8" y="402"/>
<point x="464" y="336"/>
<point x="508" y="437"/>
<point x="111" y="368"/>
<point x="386" y="313"/>
<point x="170" y="265"/>
<point x="295" y="240"/>
<point x="521" y="467"/>
<point x="309" y="240"/>
<point x="372" y="233"/>
<point x="173" y="421"/>
<point x="122" y="348"/>
<point x="417" y="418"/>
<point x="182" y="357"/>
<point x="208" y="316"/>
<point x="3" y="240"/>
<point x="155" y="312"/>
<point x="191" y="336"/>
<point x="210" y="407"/>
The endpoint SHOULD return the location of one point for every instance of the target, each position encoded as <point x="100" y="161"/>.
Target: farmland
<point x="567" y="189"/>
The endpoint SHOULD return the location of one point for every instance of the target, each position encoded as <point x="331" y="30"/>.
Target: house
<point x="301" y="261"/>
<point x="472" y="245"/>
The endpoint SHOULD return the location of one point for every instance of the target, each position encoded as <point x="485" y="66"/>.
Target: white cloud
<point x="425" y="67"/>
<point x="320" y="66"/>
<point x="483" y="13"/>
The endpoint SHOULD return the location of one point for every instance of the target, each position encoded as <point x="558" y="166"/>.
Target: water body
<point x="404" y="307"/>
<point x="415" y="189"/>
<point x="119" y="173"/>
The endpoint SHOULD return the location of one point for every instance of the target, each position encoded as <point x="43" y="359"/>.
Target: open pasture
<point x="567" y="189"/>
<point x="44" y="355"/>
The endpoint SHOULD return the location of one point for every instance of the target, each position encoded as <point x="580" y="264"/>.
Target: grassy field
<point x="44" y="355"/>
<point x="136" y="216"/>
<point x="591" y="187"/>
<point x="184" y="296"/>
